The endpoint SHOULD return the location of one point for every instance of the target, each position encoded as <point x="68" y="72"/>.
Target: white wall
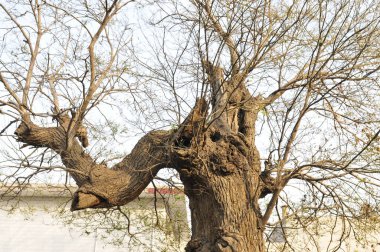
<point x="33" y="227"/>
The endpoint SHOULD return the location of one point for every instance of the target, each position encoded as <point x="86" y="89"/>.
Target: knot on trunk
<point x="220" y="166"/>
<point x="66" y="121"/>
<point x="22" y="130"/>
<point x="198" y="245"/>
<point x="226" y="242"/>
<point x="82" y="136"/>
<point x="267" y="183"/>
<point x="193" y="126"/>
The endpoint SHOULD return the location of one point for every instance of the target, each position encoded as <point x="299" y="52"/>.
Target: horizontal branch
<point x="100" y="186"/>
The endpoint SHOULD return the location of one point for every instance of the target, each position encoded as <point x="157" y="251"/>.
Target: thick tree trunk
<point x="222" y="183"/>
<point x="222" y="221"/>
<point x="221" y="171"/>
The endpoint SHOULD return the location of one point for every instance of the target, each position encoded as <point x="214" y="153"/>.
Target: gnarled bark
<point x="221" y="181"/>
<point x="216" y="158"/>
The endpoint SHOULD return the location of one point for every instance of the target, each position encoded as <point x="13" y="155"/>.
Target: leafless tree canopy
<point x="255" y="104"/>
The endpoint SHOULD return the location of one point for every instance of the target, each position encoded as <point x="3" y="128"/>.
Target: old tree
<point x="251" y="102"/>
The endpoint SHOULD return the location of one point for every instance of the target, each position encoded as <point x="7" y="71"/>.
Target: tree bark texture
<point x="214" y="153"/>
<point x="222" y="185"/>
